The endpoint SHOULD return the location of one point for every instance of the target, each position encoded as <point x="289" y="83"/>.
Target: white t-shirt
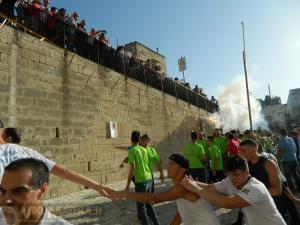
<point x="47" y="219"/>
<point x="13" y="152"/>
<point x="196" y="213"/>
<point x="262" y="209"/>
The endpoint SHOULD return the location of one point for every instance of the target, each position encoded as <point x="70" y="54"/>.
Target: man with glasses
<point x="241" y="191"/>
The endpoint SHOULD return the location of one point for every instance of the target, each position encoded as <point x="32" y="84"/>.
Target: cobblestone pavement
<point x="89" y="208"/>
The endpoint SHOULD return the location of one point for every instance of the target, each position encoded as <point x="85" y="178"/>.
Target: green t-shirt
<point x="205" y="146"/>
<point x="221" y="142"/>
<point x="215" y="153"/>
<point x="139" y="156"/>
<point x="194" y="152"/>
<point x="244" y="138"/>
<point x="153" y="157"/>
<point x="267" y="143"/>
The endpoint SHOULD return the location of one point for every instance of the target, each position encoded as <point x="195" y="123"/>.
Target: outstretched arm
<point x="214" y="197"/>
<point x="170" y="195"/>
<point x="124" y="162"/>
<point x="72" y="176"/>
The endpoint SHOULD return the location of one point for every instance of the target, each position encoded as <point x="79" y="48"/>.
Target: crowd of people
<point x="35" y="13"/>
<point x="196" y="89"/>
<point x="233" y="170"/>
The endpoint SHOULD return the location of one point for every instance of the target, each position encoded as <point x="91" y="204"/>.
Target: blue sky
<point x="209" y="34"/>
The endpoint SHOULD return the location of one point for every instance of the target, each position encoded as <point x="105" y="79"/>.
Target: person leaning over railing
<point x="62" y="14"/>
<point x="81" y="39"/>
<point x="45" y="12"/>
<point x="71" y="26"/>
<point x="35" y="13"/>
<point x="104" y="39"/>
<point x="51" y="23"/>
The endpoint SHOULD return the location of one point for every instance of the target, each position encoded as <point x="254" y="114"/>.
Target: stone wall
<point x="63" y="105"/>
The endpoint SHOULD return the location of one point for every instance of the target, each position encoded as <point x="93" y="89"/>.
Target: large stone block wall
<point x="45" y="89"/>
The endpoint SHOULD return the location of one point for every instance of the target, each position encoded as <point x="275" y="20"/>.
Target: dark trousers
<point x="145" y="211"/>
<point x="198" y="174"/>
<point x="290" y="170"/>
<point x="287" y="207"/>
<point x="152" y="188"/>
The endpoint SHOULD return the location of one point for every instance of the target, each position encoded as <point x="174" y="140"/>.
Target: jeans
<point x="289" y="169"/>
<point x="145" y="211"/>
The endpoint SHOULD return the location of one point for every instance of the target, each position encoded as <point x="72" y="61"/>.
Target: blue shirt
<point x="287" y="145"/>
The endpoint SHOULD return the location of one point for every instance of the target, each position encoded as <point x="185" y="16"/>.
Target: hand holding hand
<point x="190" y="184"/>
<point x="105" y="191"/>
<point x="117" y="195"/>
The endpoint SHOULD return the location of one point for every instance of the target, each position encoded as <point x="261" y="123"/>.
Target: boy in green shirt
<point x="138" y="159"/>
<point x="154" y="158"/>
<point x="195" y="153"/>
<point x="221" y="142"/>
<point x="216" y="164"/>
<point x="202" y="140"/>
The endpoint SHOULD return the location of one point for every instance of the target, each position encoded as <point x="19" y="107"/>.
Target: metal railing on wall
<point x="66" y="36"/>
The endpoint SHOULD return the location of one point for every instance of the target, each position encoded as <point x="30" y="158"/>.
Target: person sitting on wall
<point x="23" y="186"/>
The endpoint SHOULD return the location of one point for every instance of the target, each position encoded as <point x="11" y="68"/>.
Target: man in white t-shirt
<point x="24" y="183"/>
<point x="241" y="191"/>
<point x="12" y="152"/>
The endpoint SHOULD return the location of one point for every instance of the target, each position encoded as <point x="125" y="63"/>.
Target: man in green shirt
<point x="154" y="158"/>
<point x="202" y="140"/>
<point x="195" y="153"/>
<point x="216" y="164"/>
<point x="138" y="159"/>
<point x="221" y="142"/>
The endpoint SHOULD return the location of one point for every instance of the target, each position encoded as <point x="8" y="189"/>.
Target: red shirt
<point x="35" y="9"/>
<point x="233" y="147"/>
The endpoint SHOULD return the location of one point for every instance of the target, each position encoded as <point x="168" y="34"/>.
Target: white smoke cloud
<point x="233" y="107"/>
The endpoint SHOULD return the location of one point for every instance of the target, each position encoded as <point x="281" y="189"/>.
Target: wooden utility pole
<point x="246" y="78"/>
